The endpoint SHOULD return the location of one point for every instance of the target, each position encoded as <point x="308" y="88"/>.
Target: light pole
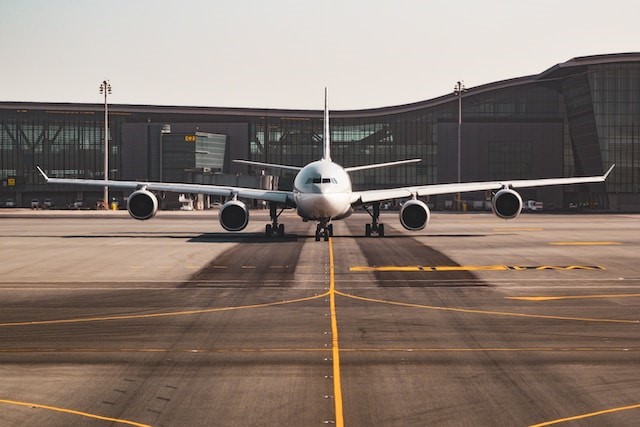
<point x="105" y="88"/>
<point x="458" y="90"/>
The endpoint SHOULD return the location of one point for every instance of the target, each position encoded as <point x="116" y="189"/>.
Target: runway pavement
<point x="474" y="321"/>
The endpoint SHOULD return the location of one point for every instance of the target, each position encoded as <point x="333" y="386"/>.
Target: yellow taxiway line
<point x="584" y="243"/>
<point x="73" y="412"/>
<point x="488" y="312"/>
<point x="335" y="348"/>
<point x="165" y="314"/>
<point x="589" y="415"/>
<point x="561" y="297"/>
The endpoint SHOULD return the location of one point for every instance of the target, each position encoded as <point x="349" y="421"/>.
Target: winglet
<point x="609" y="171"/>
<point x="42" y="172"/>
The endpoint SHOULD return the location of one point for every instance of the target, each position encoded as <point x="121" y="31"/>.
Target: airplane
<point x="322" y="192"/>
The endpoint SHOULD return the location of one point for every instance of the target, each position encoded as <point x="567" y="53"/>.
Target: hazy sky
<point x="282" y="53"/>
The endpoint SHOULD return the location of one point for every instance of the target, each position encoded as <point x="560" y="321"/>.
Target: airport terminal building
<point x="575" y="118"/>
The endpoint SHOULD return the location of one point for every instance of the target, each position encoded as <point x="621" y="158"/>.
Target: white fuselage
<point x="322" y="191"/>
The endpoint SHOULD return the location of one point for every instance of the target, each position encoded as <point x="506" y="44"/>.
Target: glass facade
<point x="70" y="144"/>
<point x="615" y="94"/>
<point x="576" y="118"/>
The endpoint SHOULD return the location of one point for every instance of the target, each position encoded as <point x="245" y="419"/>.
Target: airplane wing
<point x="369" y="196"/>
<point x="282" y="197"/>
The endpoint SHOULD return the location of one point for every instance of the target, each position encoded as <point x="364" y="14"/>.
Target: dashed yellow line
<point x="517" y="229"/>
<point x="420" y="268"/>
<point x="448" y="268"/>
<point x="589" y="415"/>
<point x="323" y="350"/>
<point x="161" y="350"/>
<point x="73" y="412"/>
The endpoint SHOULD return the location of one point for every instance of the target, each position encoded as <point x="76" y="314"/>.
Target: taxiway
<point x="105" y="320"/>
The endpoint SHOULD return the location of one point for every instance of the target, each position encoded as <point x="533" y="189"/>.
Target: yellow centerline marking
<point x="488" y="312"/>
<point x="73" y="412"/>
<point x="561" y="297"/>
<point x="166" y="314"/>
<point x="337" y="385"/>
<point x="589" y="415"/>
<point x="584" y="243"/>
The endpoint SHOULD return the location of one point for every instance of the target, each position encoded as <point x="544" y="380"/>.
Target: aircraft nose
<point x="320" y="188"/>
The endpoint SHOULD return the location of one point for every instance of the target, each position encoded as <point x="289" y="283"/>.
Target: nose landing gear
<point x="324" y="230"/>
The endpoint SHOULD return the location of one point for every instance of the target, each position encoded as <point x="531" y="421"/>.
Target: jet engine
<point x="414" y="215"/>
<point x="506" y="204"/>
<point x="142" y="204"/>
<point x="234" y="215"/>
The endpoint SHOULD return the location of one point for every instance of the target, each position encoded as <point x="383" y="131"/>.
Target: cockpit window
<point x="319" y="180"/>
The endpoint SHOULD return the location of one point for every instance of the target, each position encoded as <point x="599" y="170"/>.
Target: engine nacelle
<point x="506" y="204"/>
<point x="414" y="215"/>
<point x="234" y="215"/>
<point x="142" y="204"/>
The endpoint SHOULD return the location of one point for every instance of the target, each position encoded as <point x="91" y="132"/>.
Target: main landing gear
<point x="374" y="227"/>
<point x="324" y="230"/>
<point x="274" y="229"/>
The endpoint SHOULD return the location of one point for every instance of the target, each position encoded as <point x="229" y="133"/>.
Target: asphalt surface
<point x="474" y="321"/>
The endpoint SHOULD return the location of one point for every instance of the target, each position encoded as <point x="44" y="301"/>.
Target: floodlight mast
<point x="458" y="90"/>
<point x="105" y="88"/>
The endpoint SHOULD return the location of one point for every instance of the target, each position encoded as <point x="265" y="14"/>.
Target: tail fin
<point x="326" y="143"/>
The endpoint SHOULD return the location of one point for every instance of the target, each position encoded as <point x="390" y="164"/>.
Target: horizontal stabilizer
<point x="381" y="165"/>
<point x="268" y="165"/>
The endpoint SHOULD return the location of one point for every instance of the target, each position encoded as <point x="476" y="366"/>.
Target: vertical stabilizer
<point x="326" y="143"/>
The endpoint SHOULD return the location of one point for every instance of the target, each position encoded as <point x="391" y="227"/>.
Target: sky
<point x="283" y="53"/>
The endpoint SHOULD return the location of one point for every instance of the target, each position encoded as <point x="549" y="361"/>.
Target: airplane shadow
<point x="261" y="238"/>
<point x="222" y="237"/>
<point x="413" y="236"/>
<point x="242" y="238"/>
<point x="225" y="237"/>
